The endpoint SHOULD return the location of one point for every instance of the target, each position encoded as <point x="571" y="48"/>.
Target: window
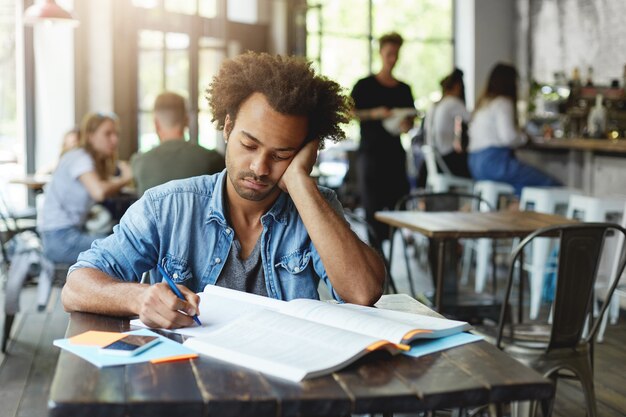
<point x="12" y="146"/>
<point x="211" y="55"/>
<point x="163" y="66"/>
<point x="334" y="27"/>
<point x="178" y="51"/>
<point x="9" y="142"/>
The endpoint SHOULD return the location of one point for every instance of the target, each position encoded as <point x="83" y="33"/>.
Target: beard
<point x="248" y="193"/>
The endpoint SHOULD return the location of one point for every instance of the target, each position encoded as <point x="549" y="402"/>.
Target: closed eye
<point x="281" y="157"/>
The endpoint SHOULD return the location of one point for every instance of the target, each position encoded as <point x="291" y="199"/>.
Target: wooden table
<point x="443" y="226"/>
<point x="34" y="182"/>
<point x="464" y="376"/>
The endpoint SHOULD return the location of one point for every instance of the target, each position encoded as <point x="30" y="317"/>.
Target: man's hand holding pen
<point x="161" y="308"/>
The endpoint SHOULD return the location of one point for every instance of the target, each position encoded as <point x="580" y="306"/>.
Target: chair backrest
<point x="433" y="161"/>
<point x="366" y="233"/>
<point x="580" y="247"/>
<point x="445" y="201"/>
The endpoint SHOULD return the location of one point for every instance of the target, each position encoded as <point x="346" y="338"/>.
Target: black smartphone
<point x="130" y="345"/>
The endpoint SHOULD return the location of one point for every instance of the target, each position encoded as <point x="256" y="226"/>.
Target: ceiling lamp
<point x="48" y="11"/>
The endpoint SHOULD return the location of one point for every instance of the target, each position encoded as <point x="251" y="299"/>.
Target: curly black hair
<point x="290" y="86"/>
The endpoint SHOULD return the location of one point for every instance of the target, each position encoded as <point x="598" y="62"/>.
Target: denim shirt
<point x="182" y="225"/>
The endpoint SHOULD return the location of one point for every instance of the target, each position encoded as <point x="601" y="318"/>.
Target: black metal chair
<point x="428" y="201"/>
<point x="27" y="247"/>
<point x="561" y="346"/>
<point x="367" y="232"/>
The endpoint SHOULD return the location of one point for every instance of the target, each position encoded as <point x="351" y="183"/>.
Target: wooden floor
<point x="26" y="371"/>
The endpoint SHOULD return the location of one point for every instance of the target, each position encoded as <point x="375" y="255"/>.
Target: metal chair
<point x="564" y="341"/>
<point x="442" y="181"/>
<point x="444" y="201"/>
<point x="367" y="232"/>
<point x="25" y="260"/>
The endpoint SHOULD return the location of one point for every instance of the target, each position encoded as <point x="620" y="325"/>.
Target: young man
<point x="174" y="158"/>
<point x="261" y="226"/>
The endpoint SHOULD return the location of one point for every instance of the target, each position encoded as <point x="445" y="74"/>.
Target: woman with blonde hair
<point x="86" y="175"/>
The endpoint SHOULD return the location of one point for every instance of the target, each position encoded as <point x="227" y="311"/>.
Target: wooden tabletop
<point x="456" y="224"/>
<point x="32" y="181"/>
<point x="582" y="144"/>
<point x="464" y="376"/>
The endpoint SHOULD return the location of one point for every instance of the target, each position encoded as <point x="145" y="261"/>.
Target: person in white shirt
<point x="440" y="124"/>
<point x="494" y="134"/>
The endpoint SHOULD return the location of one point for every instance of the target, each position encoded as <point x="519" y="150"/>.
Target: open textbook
<point x="301" y="338"/>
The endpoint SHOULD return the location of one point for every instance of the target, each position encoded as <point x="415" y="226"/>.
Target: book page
<point x="394" y="326"/>
<point x="281" y="345"/>
<point x="219" y="306"/>
<point x="405" y="303"/>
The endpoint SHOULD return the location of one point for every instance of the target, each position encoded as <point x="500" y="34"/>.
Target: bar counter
<point x="596" y="166"/>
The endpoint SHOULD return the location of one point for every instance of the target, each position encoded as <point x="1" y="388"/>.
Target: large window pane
<point x="148" y="138"/>
<point x="313" y="15"/>
<point x="211" y="56"/>
<point x="345" y="17"/>
<point x="177" y="63"/>
<point x="11" y="142"/>
<point x="150" y="39"/>
<point x="344" y="59"/>
<point x="207" y="134"/>
<point x="146" y="4"/>
<point x="150" y="77"/>
<point x="423" y="65"/>
<point x="209" y="61"/>
<point x="207" y="8"/>
<point x="181" y="6"/>
<point x="243" y="11"/>
<point x="313" y="46"/>
<point x="416" y="20"/>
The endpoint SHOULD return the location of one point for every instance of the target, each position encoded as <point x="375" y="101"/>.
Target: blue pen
<point x="174" y="288"/>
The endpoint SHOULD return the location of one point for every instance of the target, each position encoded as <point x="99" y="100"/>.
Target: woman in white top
<point x="85" y="175"/>
<point x="440" y="126"/>
<point x="494" y="134"/>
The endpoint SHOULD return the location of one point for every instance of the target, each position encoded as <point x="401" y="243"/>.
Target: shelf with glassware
<point x="578" y="112"/>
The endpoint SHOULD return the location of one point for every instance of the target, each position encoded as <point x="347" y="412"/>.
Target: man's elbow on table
<point x="78" y="292"/>
<point x="366" y="294"/>
<point x="70" y="295"/>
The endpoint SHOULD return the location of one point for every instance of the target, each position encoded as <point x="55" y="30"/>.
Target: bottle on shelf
<point x="589" y="82"/>
<point x="596" y="121"/>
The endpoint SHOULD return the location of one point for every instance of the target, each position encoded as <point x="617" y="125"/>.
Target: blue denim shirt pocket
<point x="178" y="269"/>
<point x="295" y="262"/>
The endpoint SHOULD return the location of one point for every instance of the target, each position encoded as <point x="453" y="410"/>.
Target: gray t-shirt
<point x="67" y="202"/>
<point x="243" y="274"/>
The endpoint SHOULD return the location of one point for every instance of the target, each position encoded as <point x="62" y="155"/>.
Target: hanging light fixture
<point x="48" y="11"/>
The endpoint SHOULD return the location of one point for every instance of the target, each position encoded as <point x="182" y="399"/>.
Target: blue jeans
<point x="500" y="164"/>
<point x="64" y="245"/>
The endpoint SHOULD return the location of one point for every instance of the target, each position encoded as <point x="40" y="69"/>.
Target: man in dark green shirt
<point x="174" y="158"/>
